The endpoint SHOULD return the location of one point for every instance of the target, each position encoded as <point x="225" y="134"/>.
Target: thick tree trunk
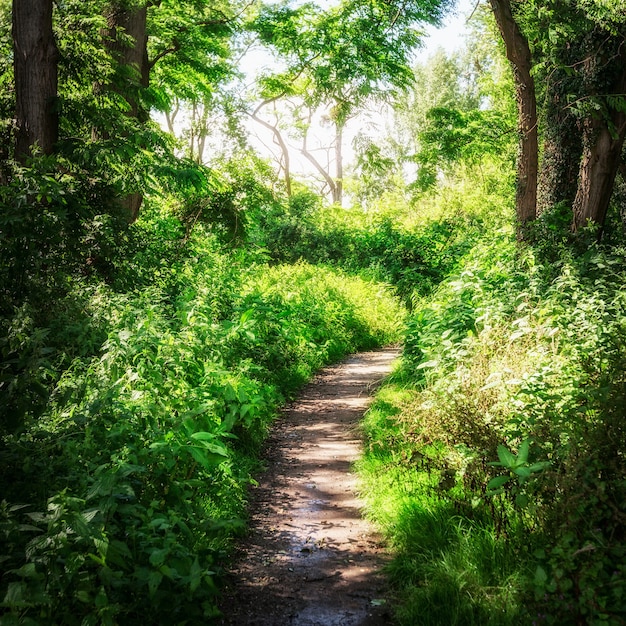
<point x="518" y="54"/>
<point x="603" y="140"/>
<point x="598" y="170"/>
<point x="36" y="80"/>
<point x="124" y="24"/>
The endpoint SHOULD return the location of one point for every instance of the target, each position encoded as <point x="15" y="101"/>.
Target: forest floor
<point x="310" y="559"/>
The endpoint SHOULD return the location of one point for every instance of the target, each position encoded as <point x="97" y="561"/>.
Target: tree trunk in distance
<point x="170" y="117"/>
<point x="603" y="140"/>
<point x="338" y="190"/>
<point x="36" y="79"/>
<point x="203" y="133"/>
<point x="278" y="138"/>
<point x="328" y="179"/>
<point x="518" y="54"/>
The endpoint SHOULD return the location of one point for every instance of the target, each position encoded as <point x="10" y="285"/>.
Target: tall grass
<point x="450" y="565"/>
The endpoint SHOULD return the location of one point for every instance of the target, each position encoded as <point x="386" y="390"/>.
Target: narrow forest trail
<point x="310" y="559"/>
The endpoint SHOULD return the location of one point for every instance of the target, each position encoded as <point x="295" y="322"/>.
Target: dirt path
<point x="310" y="559"/>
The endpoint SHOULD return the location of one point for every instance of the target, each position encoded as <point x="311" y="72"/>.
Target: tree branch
<point x="279" y="140"/>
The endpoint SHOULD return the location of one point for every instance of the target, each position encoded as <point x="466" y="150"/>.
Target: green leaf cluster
<point x="348" y="53"/>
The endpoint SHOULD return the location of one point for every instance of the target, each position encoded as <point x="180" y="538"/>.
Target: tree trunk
<point x="203" y="133"/>
<point x="192" y="131"/>
<point x="170" y="117"/>
<point x="328" y="179"/>
<point x="518" y="54"/>
<point x="36" y="79"/>
<point x="123" y="24"/>
<point x="562" y="150"/>
<point x="603" y="140"/>
<point x="278" y="138"/>
<point x="338" y="190"/>
<point x="598" y="170"/>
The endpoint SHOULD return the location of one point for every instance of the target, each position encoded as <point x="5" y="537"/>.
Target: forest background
<point x="164" y="292"/>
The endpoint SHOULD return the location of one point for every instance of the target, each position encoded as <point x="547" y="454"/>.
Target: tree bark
<point x="519" y="55"/>
<point x="278" y="138"/>
<point x="328" y="179"/>
<point x="170" y="117"/>
<point x="603" y="140"/>
<point x="36" y="78"/>
<point x="123" y="23"/>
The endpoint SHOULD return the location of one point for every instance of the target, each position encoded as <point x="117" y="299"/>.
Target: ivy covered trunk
<point x="518" y="53"/>
<point x="36" y="79"/>
<point x="562" y="144"/>
<point x="603" y="140"/>
<point x="561" y="160"/>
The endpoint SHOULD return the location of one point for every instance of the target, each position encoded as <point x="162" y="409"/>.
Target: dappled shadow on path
<point x="310" y="559"/>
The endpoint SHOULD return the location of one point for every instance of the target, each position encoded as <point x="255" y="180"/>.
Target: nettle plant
<point x="127" y="489"/>
<point x="524" y="366"/>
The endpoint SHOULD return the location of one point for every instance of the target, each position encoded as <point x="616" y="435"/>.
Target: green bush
<point x="515" y="417"/>
<point x="125" y="480"/>
<point x="413" y="260"/>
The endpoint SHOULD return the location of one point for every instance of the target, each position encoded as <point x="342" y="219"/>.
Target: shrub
<point x="125" y="482"/>
<point x="517" y="373"/>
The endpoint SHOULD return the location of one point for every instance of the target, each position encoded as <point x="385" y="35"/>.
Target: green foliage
<point x="514" y="382"/>
<point x="450" y="566"/>
<point x="347" y="52"/>
<point x="459" y="112"/>
<point x="450" y="136"/>
<point x="141" y="365"/>
<point x="190" y="47"/>
<point x="142" y="407"/>
<point x="412" y="259"/>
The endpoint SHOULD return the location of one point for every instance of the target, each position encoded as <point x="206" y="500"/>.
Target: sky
<point x="450" y="37"/>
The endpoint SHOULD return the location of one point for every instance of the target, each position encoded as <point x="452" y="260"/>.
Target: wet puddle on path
<point x="310" y="559"/>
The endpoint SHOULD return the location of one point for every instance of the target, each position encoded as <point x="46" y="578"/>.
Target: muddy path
<point x="309" y="558"/>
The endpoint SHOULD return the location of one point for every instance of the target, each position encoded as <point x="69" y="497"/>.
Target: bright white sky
<point x="450" y="37"/>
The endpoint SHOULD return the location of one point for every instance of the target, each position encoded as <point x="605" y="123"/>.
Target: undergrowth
<point x="494" y="461"/>
<point x="411" y="248"/>
<point x="137" y="414"/>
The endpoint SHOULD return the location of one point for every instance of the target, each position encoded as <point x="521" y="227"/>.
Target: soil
<point x="310" y="559"/>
